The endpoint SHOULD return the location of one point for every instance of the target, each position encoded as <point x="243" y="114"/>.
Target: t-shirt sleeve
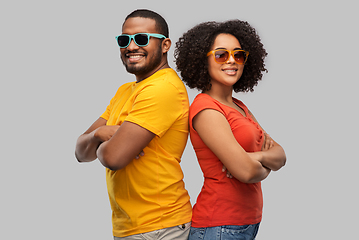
<point x="157" y="107"/>
<point x="106" y="114"/>
<point x="201" y="103"/>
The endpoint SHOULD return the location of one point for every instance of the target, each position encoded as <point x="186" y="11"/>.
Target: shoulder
<point x="164" y="80"/>
<point x="124" y="88"/>
<point x="202" y="102"/>
<point x="164" y="87"/>
<point x="169" y="80"/>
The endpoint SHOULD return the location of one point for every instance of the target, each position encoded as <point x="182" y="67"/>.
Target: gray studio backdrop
<point x="60" y="68"/>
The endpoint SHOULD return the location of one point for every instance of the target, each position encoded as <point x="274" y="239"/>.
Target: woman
<point x="219" y="58"/>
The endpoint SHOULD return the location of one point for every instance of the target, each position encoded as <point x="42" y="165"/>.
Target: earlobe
<point x="166" y="45"/>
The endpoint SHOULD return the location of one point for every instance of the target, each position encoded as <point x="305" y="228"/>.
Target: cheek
<point x="121" y="54"/>
<point x="240" y="70"/>
<point x="212" y="69"/>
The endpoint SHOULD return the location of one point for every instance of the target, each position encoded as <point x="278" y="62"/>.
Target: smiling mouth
<point x="134" y="57"/>
<point x="230" y="71"/>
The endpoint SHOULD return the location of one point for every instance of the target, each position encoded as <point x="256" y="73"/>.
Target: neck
<point x="161" y="66"/>
<point x="221" y="94"/>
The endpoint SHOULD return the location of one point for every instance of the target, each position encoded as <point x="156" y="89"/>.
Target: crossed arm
<point x="114" y="146"/>
<point x="246" y="167"/>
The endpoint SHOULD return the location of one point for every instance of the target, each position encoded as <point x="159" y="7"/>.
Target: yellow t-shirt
<point x="149" y="193"/>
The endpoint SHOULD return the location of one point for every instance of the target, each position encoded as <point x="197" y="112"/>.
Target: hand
<point x="229" y="175"/>
<point x="268" y="142"/>
<point x="105" y="133"/>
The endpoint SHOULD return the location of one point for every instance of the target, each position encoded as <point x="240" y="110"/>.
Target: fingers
<point x="268" y="142"/>
<point x="141" y="154"/>
<point x="266" y="139"/>
<point x="229" y="175"/>
<point x="271" y="144"/>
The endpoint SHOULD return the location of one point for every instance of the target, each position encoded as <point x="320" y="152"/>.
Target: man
<point x="141" y="136"/>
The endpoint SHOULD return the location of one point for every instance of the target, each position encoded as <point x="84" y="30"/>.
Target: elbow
<point x="84" y="152"/>
<point x="278" y="166"/>
<point x="78" y="158"/>
<point x="281" y="163"/>
<point x="110" y="160"/>
<point x="110" y="164"/>
<point x="82" y="158"/>
<point x="255" y="174"/>
<point x="113" y="167"/>
<point x="114" y="164"/>
<point x="253" y="179"/>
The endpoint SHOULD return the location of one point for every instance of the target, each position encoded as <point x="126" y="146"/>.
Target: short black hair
<point x="161" y="23"/>
<point x="192" y="48"/>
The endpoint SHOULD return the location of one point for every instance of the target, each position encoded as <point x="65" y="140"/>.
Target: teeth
<point x="135" y="56"/>
<point x="230" y="70"/>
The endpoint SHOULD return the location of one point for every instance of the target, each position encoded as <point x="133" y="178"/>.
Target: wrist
<point x="260" y="157"/>
<point x="96" y="136"/>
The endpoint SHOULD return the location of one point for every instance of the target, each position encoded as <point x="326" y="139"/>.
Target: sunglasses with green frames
<point x="141" y="39"/>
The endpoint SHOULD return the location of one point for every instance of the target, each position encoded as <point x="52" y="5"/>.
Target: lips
<point x="230" y="71"/>
<point x="135" y="57"/>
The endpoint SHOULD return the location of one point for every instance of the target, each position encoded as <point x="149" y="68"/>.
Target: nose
<point x="132" y="46"/>
<point x="230" y="59"/>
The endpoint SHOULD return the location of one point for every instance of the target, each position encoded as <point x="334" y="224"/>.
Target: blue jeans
<point x="230" y="232"/>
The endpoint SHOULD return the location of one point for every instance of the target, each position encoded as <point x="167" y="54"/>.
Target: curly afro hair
<point x="192" y="48"/>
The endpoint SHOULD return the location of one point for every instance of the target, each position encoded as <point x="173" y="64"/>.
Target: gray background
<point x="60" y="68"/>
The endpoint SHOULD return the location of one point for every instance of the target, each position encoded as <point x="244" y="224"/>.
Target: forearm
<point x="111" y="157"/>
<point x="124" y="146"/>
<point x="250" y="170"/>
<point x="273" y="158"/>
<point x="259" y="174"/>
<point x="86" y="147"/>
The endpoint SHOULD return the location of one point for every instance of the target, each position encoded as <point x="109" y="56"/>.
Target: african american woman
<point x="233" y="151"/>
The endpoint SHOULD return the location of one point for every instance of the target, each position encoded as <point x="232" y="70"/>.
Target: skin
<point x="144" y="61"/>
<point x="117" y="146"/>
<point x="246" y="167"/>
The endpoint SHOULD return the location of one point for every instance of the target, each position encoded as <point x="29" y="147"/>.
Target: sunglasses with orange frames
<point x="221" y="56"/>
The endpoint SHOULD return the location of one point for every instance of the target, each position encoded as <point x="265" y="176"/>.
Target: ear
<point x="166" y="45"/>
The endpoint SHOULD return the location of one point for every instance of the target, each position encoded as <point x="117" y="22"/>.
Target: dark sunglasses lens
<point x="239" y="57"/>
<point x="123" y="41"/>
<point x="141" y="39"/>
<point x="221" y="56"/>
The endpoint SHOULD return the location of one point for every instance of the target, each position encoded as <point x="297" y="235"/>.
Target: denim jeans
<point x="230" y="232"/>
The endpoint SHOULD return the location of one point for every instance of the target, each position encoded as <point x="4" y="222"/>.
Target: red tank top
<point x="222" y="200"/>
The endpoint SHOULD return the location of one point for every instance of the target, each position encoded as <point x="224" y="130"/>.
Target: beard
<point x="142" y="69"/>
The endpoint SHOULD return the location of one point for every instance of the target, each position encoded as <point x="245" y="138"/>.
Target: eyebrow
<point x="220" y="48"/>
